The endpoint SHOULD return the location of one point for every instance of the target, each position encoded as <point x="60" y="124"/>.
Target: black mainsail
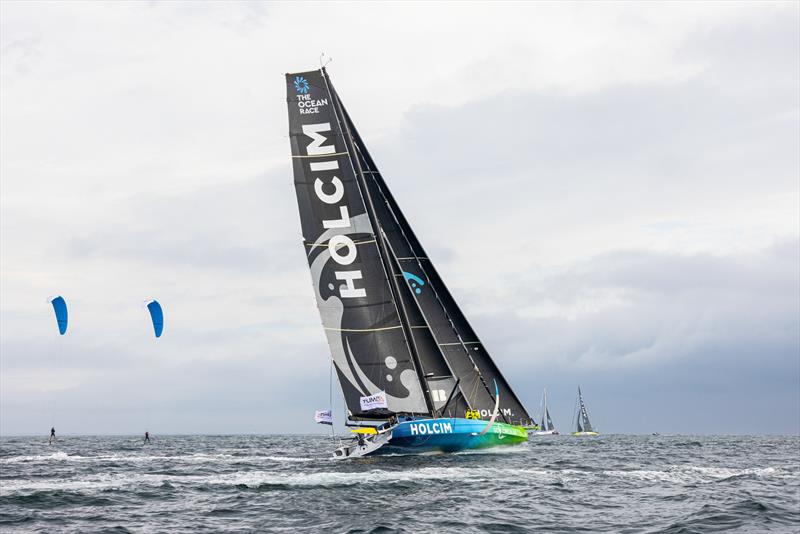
<point x="582" y="420"/>
<point x="391" y="322"/>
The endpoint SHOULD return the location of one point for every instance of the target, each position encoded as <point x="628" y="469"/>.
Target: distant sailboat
<point x="546" y="427"/>
<point x="408" y="361"/>
<point x="583" y="427"/>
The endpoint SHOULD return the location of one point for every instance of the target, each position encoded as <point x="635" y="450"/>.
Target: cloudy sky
<point x="612" y="192"/>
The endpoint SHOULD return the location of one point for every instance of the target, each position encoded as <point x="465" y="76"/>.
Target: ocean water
<point x="614" y="483"/>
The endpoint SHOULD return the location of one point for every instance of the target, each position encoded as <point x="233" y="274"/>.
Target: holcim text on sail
<point x="330" y="190"/>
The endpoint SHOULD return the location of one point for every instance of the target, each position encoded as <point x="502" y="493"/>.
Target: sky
<point x="610" y="190"/>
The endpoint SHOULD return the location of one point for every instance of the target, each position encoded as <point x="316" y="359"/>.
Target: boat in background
<point x="583" y="427"/>
<point x="546" y="427"/>
<point x="408" y="362"/>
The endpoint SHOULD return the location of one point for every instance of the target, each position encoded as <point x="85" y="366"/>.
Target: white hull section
<point x="357" y="448"/>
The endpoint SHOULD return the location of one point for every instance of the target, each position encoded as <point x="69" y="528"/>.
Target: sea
<point x="608" y="483"/>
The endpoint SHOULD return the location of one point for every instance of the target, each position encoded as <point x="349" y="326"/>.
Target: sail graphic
<point x="391" y="323"/>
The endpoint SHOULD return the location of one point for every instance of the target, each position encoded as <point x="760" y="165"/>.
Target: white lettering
<point x="414" y="430"/>
<point x="340" y="241"/>
<point x="324" y="165"/>
<point x="312" y="103"/>
<point x="333" y="198"/>
<point x="315" y="148"/>
<point x="342" y="222"/>
<point x="349" y="290"/>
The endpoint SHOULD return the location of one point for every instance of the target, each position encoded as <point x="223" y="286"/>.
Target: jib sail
<point x="447" y="345"/>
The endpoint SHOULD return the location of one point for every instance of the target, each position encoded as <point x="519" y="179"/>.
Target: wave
<point x="252" y="479"/>
<point x="56" y="456"/>
<point x="674" y="474"/>
<point x="691" y="474"/>
<point x="133" y="458"/>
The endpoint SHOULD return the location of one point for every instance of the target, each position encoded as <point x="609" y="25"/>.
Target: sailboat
<point x="413" y="373"/>
<point x="583" y="427"/>
<point x="547" y="427"/>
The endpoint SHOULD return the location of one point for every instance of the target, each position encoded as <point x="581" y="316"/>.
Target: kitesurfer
<point x="146" y="436"/>
<point x="52" y="435"/>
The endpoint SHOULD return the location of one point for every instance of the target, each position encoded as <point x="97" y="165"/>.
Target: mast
<point x="545" y="415"/>
<point x="379" y="238"/>
<point x="442" y="317"/>
<point x="355" y="298"/>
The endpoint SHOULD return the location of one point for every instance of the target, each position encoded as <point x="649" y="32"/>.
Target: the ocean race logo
<point x="306" y="103"/>
<point x="300" y="85"/>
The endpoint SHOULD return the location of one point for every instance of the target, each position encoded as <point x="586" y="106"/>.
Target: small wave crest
<point x="690" y="474"/>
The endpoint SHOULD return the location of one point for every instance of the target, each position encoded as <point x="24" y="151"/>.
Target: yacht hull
<point x="450" y="435"/>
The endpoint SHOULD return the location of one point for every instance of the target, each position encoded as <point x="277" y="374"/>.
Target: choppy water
<point x="287" y="484"/>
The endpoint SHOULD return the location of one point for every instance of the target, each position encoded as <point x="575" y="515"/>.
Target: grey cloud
<point x="617" y="236"/>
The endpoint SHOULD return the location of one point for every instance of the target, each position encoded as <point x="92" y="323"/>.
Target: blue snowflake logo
<point x="301" y="85"/>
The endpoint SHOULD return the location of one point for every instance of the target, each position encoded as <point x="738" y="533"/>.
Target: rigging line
<point x="330" y="401"/>
<point x="370" y="208"/>
<point x="435" y="293"/>
<point x="497" y="372"/>
<point x="397" y="264"/>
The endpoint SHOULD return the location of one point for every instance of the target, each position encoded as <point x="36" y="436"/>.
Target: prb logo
<point x="301" y="85"/>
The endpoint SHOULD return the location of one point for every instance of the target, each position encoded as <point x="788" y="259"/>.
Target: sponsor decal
<point x="323" y="417"/>
<point x="488" y="413"/>
<point x="373" y="402"/>
<point x="422" y="429"/>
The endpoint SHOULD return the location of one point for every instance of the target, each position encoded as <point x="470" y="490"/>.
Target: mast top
<point x="323" y="62"/>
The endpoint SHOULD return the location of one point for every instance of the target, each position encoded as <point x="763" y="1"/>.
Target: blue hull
<point x="449" y="435"/>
